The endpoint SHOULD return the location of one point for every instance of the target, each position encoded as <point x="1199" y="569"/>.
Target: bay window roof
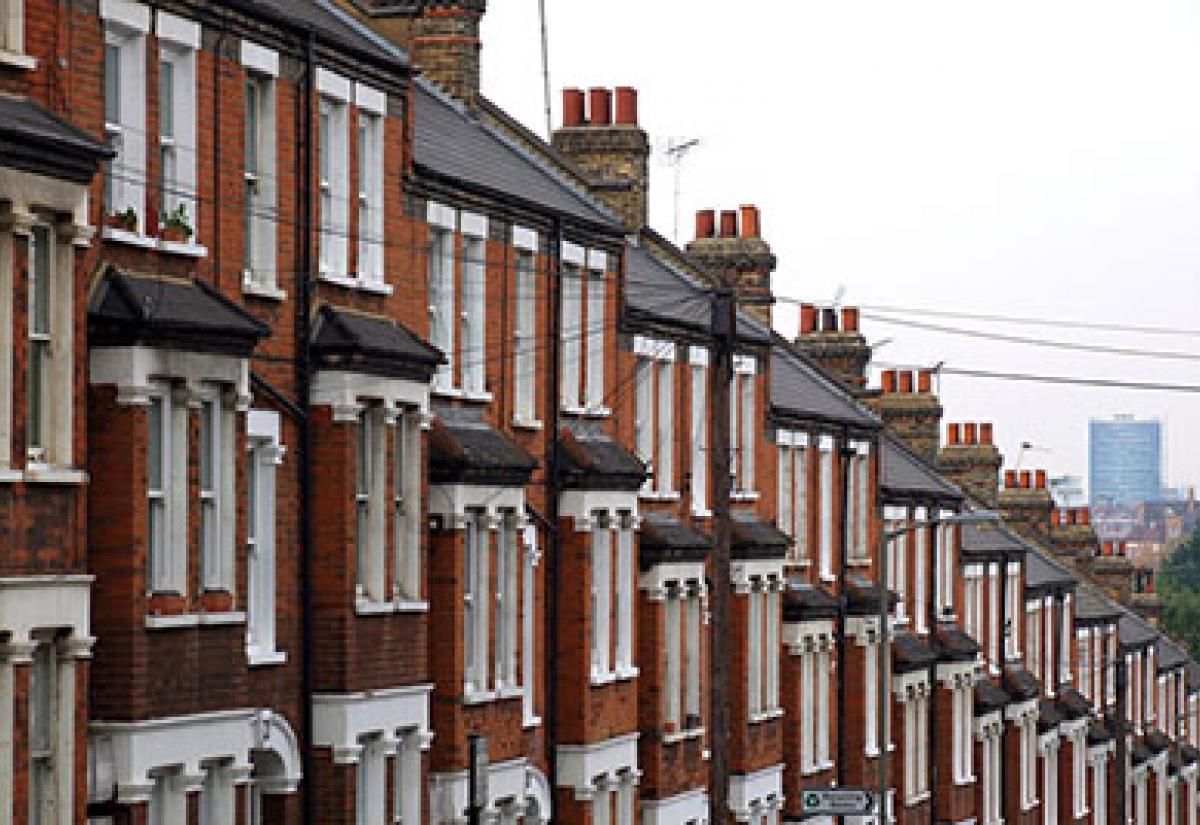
<point x="344" y="339"/>
<point x="36" y="140"/>
<point x="804" y="602"/>
<point x="989" y="697"/>
<point x="752" y="538"/>
<point x="666" y="540"/>
<point x="464" y="451"/>
<point x="593" y="461"/>
<point x="910" y="654"/>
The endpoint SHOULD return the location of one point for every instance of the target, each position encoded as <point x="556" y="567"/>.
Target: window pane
<point x="252" y="125"/>
<point x="112" y="83"/>
<point x="166" y="98"/>
<point x="156" y="444"/>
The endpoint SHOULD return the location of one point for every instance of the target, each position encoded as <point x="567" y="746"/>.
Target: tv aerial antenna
<point x="677" y="150"/>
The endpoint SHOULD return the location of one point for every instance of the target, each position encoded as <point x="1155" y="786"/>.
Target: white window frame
<point x="744" y="424"/>
<point x="624" y="613"/>
<point x="370" y="110"/>
<point x="572" y="334"/>
<point x="808" y="709"/>
<point x="962" y="740"/>
<point x="602" y="598"/>
<point x="1012" y="625"/>
<point x="218" y="512"/>
<point x="406" y="466"/>
<point x="260" y="275"/>
<point x="406" y="779"/>
<point x="972" y="603"/>
<point x="263" y="454"/>
<point x="217" y="802"/>
<point x="1084" y="642"/>
<point x="1064" y="666"/>
<point x="525" y="330"/>
<point x="654" y="419"/>
<point x="596" y="333"/>
<point x="823" y="721"/>
<point x="371" y="472"/>
<point x="1079" y="774"/>
<point x="12" y="35"/>
<point x="168" y="799"/>
<point x="529" y="653"/>
<point x="673" y="658"/>
<point x="125" y="129"/>
<point x="793" y="492"/>
<point x="44" y="734"/>
<point x="177" y="134"/>
<point x="333" y="179"/>
<point x="754" y="650"/>
<point x="167" y="546"/>
<point x="871" y="656"/>
<point x="994" y="615"/>
<point x="1049" y="782"/>
<point x="476" y="601"/>
<point x="441" y="259"/>
<point x="825" y="445"/>
<point x="693" y="634"/>
<point x="920" y="564"/>
<point x="508" y="599"/>
<point x="47" y="389"/>
<point x="370" y="782"/>
<point x="698" y="356"/>
<point x="473" y="320"/>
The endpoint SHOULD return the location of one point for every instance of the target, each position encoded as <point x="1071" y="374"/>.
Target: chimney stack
<point x="739" y="253"/>
<point x="909" y="408"/>
<point x="613" y="153"/>
<point x="843" y="352"/>
<point x="441" y="37"/>
<point x="1028" y="505"/>
<point x="973" y="463"/>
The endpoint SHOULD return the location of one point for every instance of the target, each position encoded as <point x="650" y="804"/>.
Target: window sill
<point x="599" y="411"/>
<point x="828" y="577"/>
<point x="970" y="780"/>
<point x="702" y="513"/>
<point x="526" y="423"/>
<point x="766" y="716"/>
<point x="370" y="607"/>
<point x="349" y="282"/>
<point x="254" y="288"/>
<point x="917" y="799"/>
<point x="445" y="392"/>
<point x="864" y="561"/>
<point x="262" y="658"/>
<point x="42" y="474"/>
<point x="178" y="620"/>
<point x="531" y="722"/>
<point x="479" y="697"/>
<point x="18" y="60"/>
<point x="574" y="409"/>
<point x="188" y="249"/>
<point x="482" y="396"/>
<point x="682" y="735"/>
<point x="656" y="495"/>
<point x="744" y="495"/>
<point x="804" y="564"/>
<point x="376" y="288"/>
<point x="625" y="673"/>
<point x="602" y="679"/>
<point x="111" y="233"/>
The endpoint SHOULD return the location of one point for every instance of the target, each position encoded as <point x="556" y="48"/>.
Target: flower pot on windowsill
<point x="125" y="221"/>
<point x="174" y="234"/>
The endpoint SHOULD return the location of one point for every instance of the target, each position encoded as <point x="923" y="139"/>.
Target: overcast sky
<point x="1018" y="157"/>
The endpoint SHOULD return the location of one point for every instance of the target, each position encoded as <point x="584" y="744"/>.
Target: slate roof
<point x="862" y="596"/>
<point x="129" y="309"/>
<point x="906" y="473"/>
<point x="344" y="339"/>
<point x="752" y="538"/>
<point x="1139" y="753"/>
<point x="657" y="293"/>
<point x="1156" y="741"/>
<point x="799" y="389"/>
<point x="451" y="142"/>
<point x="1044" y="573"/>
<point x="332" y="26"/>
<point x="1134" y="631"/>
<point x="593" y="461"/>
<point x="473" y="452"/>
<point x="989" y="697"/>
<point x="1020" y="684"/>
<point x="953" y="645"/>
<point x="1072" y="705"/>
<point x="802" y="602"/>
<point x="1092" y="608"/>
<point x="991" y="541"/>
<point x="909" y="653"/>
<point x="33" y="139"/>
<point x="1099" y="732"/>
<point x="1049" y="715"/>
<point x="666" y="540"/>
<point x="1169" y="655"/>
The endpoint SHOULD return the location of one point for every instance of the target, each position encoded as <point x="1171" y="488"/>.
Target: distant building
<point x="1067" y="491"/>
<point x="1124" y="461"/>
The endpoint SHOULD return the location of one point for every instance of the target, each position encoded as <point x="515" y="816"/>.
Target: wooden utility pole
<point x="724" y="325"/>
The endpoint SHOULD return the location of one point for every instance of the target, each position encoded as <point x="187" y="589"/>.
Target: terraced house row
<point x="343" y="419"/>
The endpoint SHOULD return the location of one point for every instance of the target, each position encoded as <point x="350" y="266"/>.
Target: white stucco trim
<point x="597" y="260"/>
<point x="761" y="789"/>
<point x="272" y="732"/>
<point x="370" y="99"/>
<point x="688" y="806"/>
<point x="525" y="238"/>
<point x="346" y="391"/>
<point x="260" y="58"/>
<point x="654" y="581"/>
<point x="340" y="720"/>
<point x="333" y="85"/>
<point x="449" y="793"/>
<point x="573" y="253"/>
<point x="741" y="572"/>
<point x="799" y="637"/>
<point x="133" y="371"/>
<point x="580" y="765"/>
<point x="131" y="15"/>
<point x="29" y="603"/>
<point x="177" y="30"/>
<point x="473" y="224"/>
<point x="581" y="505"/>
<point x="453" y="504"/>
<point x="121" y="755"/>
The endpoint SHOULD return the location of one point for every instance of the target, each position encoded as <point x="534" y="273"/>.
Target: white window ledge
<point x="682" y="735"/>
<point x="967" y="780"/>
<point x="828" y="577"/>
<point x="261" y="658"/>
<point x="531" y="722"/>
<point x="42" y="474"/>
<point x="111" y="233"/>
<point x="221" y="619"/>
<point x="626" y="672"/>
<point x="859" y="561"/>
<point x="376" y="288"/>
<point x="187" y="249"/>
<point x="18" y="60"/>
<point x="659" y="495"/>
<point x="744" y="495"/>
<point x="574" y="409"/>
<point x="410" y="606"/>
<point x="349" y="282"/>
<point x="705" y="513"/>
<point x="177" y="620"/>
<point x="601" y="679"/>
<point x="7" y="475"/>
<point x="766" y="715"/>
<point x="483" y="396"/>
<point x="917" y="799"/>
<point x="802" y="563"/>
<point x="510" y="692"/>
<point x="479" y="697"/>
<point x="445" y="392"/>
<point x="526" y="423"/>
<point x="253" y="287"/>
<point x="599" y="411"/>
<point x="370" y="607"/>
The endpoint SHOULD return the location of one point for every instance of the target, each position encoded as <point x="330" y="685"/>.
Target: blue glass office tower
<point x="1124" y="461"/>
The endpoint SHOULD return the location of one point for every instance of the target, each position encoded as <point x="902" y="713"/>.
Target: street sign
<point x="839" y="801"/>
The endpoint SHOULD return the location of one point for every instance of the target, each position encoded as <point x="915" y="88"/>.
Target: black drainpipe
<point x="303" y="390"/>
<point x="554" y="551"/>
<point x="931" y="722"/>
<point x="1007" y="625"/>
<point x="843" y="452"/>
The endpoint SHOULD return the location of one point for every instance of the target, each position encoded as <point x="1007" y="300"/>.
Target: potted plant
<point x="126" y="220"/>
<point x="176" y="227"/>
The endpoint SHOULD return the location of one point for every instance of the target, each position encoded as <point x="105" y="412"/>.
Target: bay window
<point x="602" y="590"/>
<point x="264" y="453"/>
<point x="763" y="616"/>
<point x="476" y="582"/>
<point x="370" y="481"/>
<point x="166" y="491"/>
<point x="218" y="487"/>
<point x="673" y="651"/>
<point x="406" y="506"/>
<point x="624" y="596"/>
<point x="43" y="734"/>
<point x="508" y="564"/>
<point x="259" y="203"/>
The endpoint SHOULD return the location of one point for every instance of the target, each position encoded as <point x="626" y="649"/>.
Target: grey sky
<point x="1017" y="157"/>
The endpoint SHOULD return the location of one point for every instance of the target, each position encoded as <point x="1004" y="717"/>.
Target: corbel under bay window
<point x="125" y="29"/>
<point x="260" y="215"/>
<point x="370" y="110"/>
<point x="525" y="241"/>
<point x="743" y="426"/>
<point x="654" y="422"/>
<point x="792" y="490"/>
<point x="473" y="322"/>
<point x="334" y="174"/>
<point x="179" y="40"/>
<point x="264" y="454"/>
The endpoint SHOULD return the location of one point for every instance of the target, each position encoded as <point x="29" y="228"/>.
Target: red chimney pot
<point x="985" y="433"/>
<point x="849" y="319"/>
<point x="925" y="382"/>
<point x="627" y="106"/>
<point x="600" y="102"/>
<point x="572" y="103"/>
<point x="1055" y="517"/>
<point x="1072" y="515"/>
<point x="808" y="319"/>
<point x="1085" y="516"/>
<point x="750" y="221"/>
<point x="906" y="382"/>
<point x="970" y="434"/>
<point x="1040" y="477"/>
<point x="1010" y="479"/>
<point x="953" y="434"/>
<point x="706" y="223"/>
<point x="887" y="381"/>
<point x="829" y="320"/>
<point x="1026" y="479"/>
<point x="729" y="223"/>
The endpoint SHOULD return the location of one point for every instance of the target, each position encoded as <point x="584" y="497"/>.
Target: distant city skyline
<point x="1125" y="460"/>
